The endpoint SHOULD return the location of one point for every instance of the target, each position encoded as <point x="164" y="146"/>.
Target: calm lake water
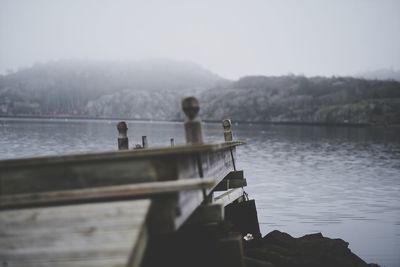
<point x="341" y="181"/>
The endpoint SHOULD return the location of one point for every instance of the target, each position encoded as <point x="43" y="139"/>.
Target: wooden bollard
<point x="123" y="142"/>
<point x="172" y="140"/>
<point x="193" y="131"/>
<point x="145" y="144"/>
<point x="228" y="136"/>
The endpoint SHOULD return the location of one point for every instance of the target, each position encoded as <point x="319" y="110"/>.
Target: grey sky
<point x="231" y="38"/>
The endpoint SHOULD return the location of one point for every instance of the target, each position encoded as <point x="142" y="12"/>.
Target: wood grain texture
<point x="111" y="168"/>
<point x="138" y="190"/>
<point x="101" y="234"/>
<point x="92" y="177"/>
<point x="117" y="155"/>
<point x="229" y="196"/>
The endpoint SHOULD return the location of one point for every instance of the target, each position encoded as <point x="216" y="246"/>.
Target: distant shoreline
<point x="294" y="123"/>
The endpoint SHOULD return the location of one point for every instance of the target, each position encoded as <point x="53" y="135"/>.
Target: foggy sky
<point x="231" y="38"/>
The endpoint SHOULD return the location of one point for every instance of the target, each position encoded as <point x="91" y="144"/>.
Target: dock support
<point x="207" y="213"/>
<point x="145" y="143"/>
<point x="228" y="136"/>
<point x="193" y="131"/>
<point x="243" y="216"/>
<point x="231" y="250"/>
<point x="234" y="179"/>
<point x="123" y="142"/>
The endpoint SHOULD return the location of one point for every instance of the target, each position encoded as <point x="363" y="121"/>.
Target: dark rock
<point x="282" y="250"/>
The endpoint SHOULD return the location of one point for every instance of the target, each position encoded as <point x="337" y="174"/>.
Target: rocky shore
<point x="226" y="245"/>
<point x="278" y="249"/>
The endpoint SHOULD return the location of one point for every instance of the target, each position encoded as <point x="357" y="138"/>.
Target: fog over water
<point x="231" y="38"/>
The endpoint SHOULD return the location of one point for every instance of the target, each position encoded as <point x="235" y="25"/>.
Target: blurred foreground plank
<point x="100" y="234"/>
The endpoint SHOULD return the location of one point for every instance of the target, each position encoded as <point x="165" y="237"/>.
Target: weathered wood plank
<point x="171" y="211"/>
<point x="208" y="213"/>
<point x="118" y="155"/>
<point x="188" y="203"/>
<point x="123" y="141"/>
<point x="234" y="179"/>
<point x="231" y="250"/>
<point x="76" y="175"/>
<point x="222" y="186"/>
<point x="72" y="236"/>
<point x="103" y="169"/>
<point x="103" y="262"/>
<point x="229" y="196"/>
<point x="129" y="167"/>
<point x="138" y="190"/>
<point x="238" y="175"/>
<point x="236" y="183"/>
<point x="217" y="164"/>
<point x="139" y="249"/>
<point x="193" y="129"/>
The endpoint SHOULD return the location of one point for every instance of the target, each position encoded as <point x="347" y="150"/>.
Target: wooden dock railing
<point x="73" y="210"/>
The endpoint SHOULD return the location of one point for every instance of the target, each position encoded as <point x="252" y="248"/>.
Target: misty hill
<point x="305" y="100"/>
<point x="149" y="89"/>
<point x="381" y="74"/>
<point x="153" y="90"/>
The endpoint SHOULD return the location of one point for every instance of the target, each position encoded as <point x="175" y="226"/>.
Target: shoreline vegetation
<point x="152" y="90"/>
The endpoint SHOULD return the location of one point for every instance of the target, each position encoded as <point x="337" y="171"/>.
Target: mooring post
<point x="123" y="142"/>
<point x="145" y="144"/>
<point x="193" y="131"/>
<point x="228" y="136"/>
<point x="172" y="140"/>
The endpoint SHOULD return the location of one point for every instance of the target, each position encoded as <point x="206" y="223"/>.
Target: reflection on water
<point x="343" y="182"/>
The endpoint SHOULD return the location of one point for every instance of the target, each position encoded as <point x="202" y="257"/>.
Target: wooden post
<point x="193" y="131"/>
<point x="123" y="142"/>
<point x="228" y="136"/>
<point x="145" y="144"/>
<point x="172" y="140"/>
<point x="231" y="251"/>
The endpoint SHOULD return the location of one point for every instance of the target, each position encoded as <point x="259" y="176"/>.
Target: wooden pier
<point x="132" y="207"/>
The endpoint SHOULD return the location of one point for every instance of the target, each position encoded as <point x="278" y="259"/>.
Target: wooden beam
<point x="88" y="235"/>
<point x="123" y="141"/>
<point x="118" y="155"/>
<point x="234" y="179"/>
<point x="222" y="186"/>
<point x="113" y="168"/>
<point x="231" y="251"/>
<point x="236" y="183"/>
<point x="193" y="129"/>
<point x="139" y="249"/>
<point x="139" y="190"/>
<point x="235" y="175"/>
<point x="229" y="196"/>
<point x="208" y="213"/>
